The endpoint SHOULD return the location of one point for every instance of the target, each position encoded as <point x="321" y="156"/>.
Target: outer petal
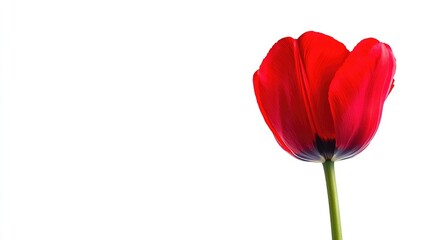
<point x="267" y="118"/>
<point x="278" y="89"/>
<point x="291" y="87"/>
<point x="357" y="95"/>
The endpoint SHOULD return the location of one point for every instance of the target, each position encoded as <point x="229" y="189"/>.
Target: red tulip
<point x="321" y="101"/>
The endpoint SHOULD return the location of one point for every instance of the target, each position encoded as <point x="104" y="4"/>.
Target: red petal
<point x="391" y="87"/>
<point x="278" y="89"/>
<point x="265" y="115"/>
<point x="292" y="86"/>
<point x="321" y="55"/>
<point x="357" y="95"/>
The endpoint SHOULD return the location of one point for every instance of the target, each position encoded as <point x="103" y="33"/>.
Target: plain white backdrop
<point x="137" y="120"/>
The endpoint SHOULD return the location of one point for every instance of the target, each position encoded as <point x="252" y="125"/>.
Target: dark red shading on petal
<point x="321" y="56"/>
<point x="265" y="115"/>
<point x="278" y="89"/>
<point x="357" y="95"/>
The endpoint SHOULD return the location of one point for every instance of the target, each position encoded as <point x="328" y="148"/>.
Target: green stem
<point x="334" y="209"/>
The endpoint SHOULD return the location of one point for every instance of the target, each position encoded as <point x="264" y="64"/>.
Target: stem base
<point x="334" y="209"/>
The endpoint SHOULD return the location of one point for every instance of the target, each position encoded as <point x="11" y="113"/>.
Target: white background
<point x="137" y="120"/>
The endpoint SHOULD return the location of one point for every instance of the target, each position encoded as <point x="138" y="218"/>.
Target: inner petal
<point x="321" y="56"/>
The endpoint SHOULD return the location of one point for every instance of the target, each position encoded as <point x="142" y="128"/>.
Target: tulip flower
<point x="322" y="102"/>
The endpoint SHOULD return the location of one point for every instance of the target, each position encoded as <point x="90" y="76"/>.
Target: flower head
<point x="321" y="101"/>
